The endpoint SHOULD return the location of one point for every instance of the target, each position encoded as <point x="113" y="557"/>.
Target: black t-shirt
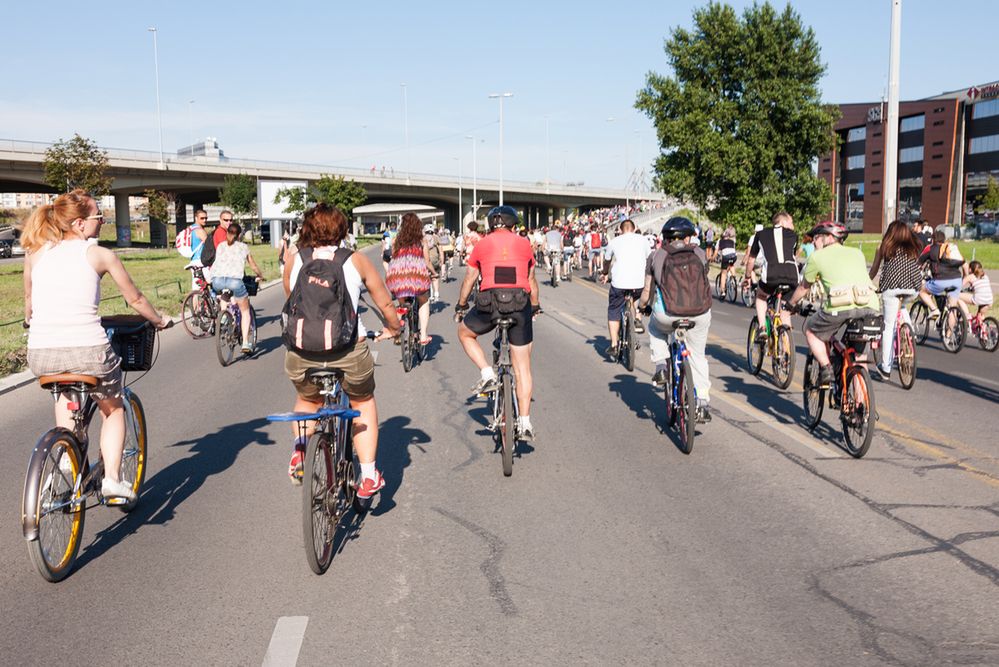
<point x="567" y="237"/>
<point x="777" y="271"/>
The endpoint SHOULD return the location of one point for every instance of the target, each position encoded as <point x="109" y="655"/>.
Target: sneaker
<point x="484" y="386"/>
<point x="885" y="371"/>
<point x="660" y="378"/>
<point x="296" y="467"/>
<point x="246" y="349"/>
<point x="639" y="327"/>
<point x="369" y="487"/>
<point x="525" y="432"/>
<point x="826" y="376"/>
<point x="614" y="352"/>
<point x="761" y="335"/>
<point x="934" y="314"/>
<point x="703" y="413"/>
<point x="117" y="489"/>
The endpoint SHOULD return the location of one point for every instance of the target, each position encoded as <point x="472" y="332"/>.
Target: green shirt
<point x="838" y="265"/>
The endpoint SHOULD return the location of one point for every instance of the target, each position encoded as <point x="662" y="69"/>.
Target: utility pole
<point x="890" y="188"/>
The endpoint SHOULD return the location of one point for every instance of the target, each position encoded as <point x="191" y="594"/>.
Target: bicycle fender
<point x="32" y="480"/>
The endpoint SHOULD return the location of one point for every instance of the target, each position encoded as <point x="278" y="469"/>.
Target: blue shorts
<point x="234" y="284"/>
<point x="615" y="301"/>
<point x="938" y="287"/>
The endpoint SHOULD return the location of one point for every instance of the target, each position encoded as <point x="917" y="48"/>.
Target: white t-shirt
<point x="629" y="252"/>
<point x="350" y="274"/>
<point x="230" y="260"/>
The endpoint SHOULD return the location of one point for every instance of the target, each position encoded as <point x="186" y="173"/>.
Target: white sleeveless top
<point x="350" y="274"/>
<point x="65" y="291"/>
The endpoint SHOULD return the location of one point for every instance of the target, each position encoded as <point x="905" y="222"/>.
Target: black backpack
<point x="682" y="278"/>
<point x="208" y="250"/>
<point x="319" y="317"/>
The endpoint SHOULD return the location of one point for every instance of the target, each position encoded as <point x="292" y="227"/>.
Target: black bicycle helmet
<point x="834" y="229"/>
<point x="678" y="227"/>
<point x="502" y="216"/>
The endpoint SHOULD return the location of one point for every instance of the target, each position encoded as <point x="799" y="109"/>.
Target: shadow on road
<point x="167" y="489"/>
<point x="968" y="386"/>
<point x="640" y="396"/>
<point x="395" y="437"/>
<point x="600" y="345"/>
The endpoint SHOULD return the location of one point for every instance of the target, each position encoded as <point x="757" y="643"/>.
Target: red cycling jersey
<point x="504" y="259"/>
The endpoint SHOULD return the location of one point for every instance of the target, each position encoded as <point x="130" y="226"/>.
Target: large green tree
<point x="740" y="121"/>
<point x="77" y="163"/>
<point x="337" y="191"/>
<point x="239" y="193"/>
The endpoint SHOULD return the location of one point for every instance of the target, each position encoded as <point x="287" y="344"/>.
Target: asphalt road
<point x="767" y="545"/>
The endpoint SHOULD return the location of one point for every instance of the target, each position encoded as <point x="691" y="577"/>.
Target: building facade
<point x="948" y="146"/>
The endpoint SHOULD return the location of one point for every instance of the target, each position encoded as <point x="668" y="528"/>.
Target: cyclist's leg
<point x="474" y="325"/>
<point x="244" y="317"/>
<point x="424" y="310"/>
<point x="659" y="346"/>
<point x="761" y="306"/>
<point x="615" y="302"/>
<point x="112" y="434"/>
<point x="696" y="340"/>
<point x="520" y="358"/>
<point x="890" y="303"/>
<point x="926" y="296"/>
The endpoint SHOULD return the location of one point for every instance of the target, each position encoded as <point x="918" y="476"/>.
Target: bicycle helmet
<point x="677" y="227"/>
<point x="428" y="228"/>
<point x="834" y="229"/>
<point x="502" y="216"/>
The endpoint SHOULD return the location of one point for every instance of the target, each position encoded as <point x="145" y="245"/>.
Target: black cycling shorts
<point x="728" y="261"/>
<point x="521" y="333"/>
<point x="615" y="301"/>
<point x="770" y="288"/>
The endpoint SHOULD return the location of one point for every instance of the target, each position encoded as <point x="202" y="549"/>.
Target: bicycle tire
<point x="319" y="493"/>
<point x="906" y="357"/>
<point x="670" y="403"/>
<point x="60" y="533"/>
<point x="630" y="344"/>
<point x="253" y="329"/>
<point x="858" y="412"/>
<point x="783" y="360"/>
<point x="952" y="336"/>
<point x="508" y="437"/>
<point x="988" y="335"/>
<point x="730" y="289"/>
<point x="747" y="295"/>
<point x="919" y="315"/>
<point x="813" y="396"/>
<point x="192" y="314"/>
<point x="719" y="294"/>
<point x="133" y="458"/>
<point x="754" y="350"/>
<point x="687" y="414"/>
<point x="224" y="345"/>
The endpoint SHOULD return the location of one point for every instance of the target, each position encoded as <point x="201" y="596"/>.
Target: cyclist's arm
<point x="800" y="291"/>
<point x="876" y="264"/>
<point x="289" y="264"/>
<point x="380" y="297"/>
<point x="646" y="297"/>
<point x="253" y="265"/>
<point x="471" y="275"/>
<point x="29" y="262"/>
<point x="105" y="261"/>
<point x="533" y="282"/>
<point x="750" y="262"/>
<point x="426" y="259"/>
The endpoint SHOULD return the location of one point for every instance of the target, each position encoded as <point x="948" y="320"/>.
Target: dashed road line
<point x="286" y="641"/>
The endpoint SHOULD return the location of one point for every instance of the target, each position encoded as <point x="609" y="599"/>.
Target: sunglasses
<point x="99" y="217"/>
<point x="225" y="219"/>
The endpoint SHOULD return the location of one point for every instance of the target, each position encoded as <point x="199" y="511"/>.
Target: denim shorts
<point x="234" y="284"/>
<point x="938" y="287"/>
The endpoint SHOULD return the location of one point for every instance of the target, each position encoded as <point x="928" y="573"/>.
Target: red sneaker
<point x="369" y="487"/>
<point x="295" y="467"/>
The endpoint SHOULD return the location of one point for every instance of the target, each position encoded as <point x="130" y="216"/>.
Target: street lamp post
<point x="460" y="220"/>
<point x="500" y="96"/>
<point x="548" y="159"/>
<point x="159" y="117"/>
<point x="890" y="189"/>
<point x="475" y="192"/>
<point x="405" y="113"/>
<point x="190" y="124"/>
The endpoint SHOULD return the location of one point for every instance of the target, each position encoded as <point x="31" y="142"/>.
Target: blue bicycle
<point x="681" y="397"/>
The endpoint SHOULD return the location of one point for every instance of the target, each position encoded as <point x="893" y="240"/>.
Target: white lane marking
<point x="562" y="313"/>
<point x="768" y="421"/>
<point x="286" y="641"/>
<point x="374" y="355"/>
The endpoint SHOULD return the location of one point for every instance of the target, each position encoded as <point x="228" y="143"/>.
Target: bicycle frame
<point x="678" y="352"/>
<point x="503" y="366"/>
<point x="849" y="359"/>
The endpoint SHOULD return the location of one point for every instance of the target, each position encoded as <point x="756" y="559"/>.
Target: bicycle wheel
<point x="857" y="412"/>
<point x="920" y="316"/>
<point x="747" y="295"/>
<point x="319" y="499"/>
<point x="783" y="359"/>
<point x="988" y="337"/>
<point x="813" y="396"/>
<point x="133" y="458"/>
<point x="57" y="511"/>
<point x="687" y="413"/>
<point x="507" y="424"/>
<point x="629" y="343"/>
<point x="906" y="356"/>
<point x="718" y="288"/>
<point x="225" y="337"/>
<point x="193" y="316"/>
<point x="253" y="329"/>
<point x="953" y="329"/>
<point x="730" y="289"/>
<point x="754" y="349"/>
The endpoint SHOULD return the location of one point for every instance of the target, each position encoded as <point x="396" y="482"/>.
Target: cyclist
<point x="227" y="273"/>
<point x="981" y="289"/>
<point x="849" y="291"/>
<point x="323" y="229"/>
<point x="726" y="254"/>
<point x="896" y="258"/>
<point x="594" y="252"/>
<point x="63" y="268"/>
<point x="777" y="245"/>
<point x="436" y="259"/>
<point x="553" y="249"/>
<point x="946" y="271"/>
<point x="625" y="258"/>
<point x="577" y="248"/>
<point x="411" y="272"/>
<point x="568" y="247"/>
<point x="471" y="237"/>
<point x="679" y="295"/>
<point x="505" y="262"/>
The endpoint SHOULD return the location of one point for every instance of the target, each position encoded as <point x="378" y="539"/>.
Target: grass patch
<point x="986" y="252"/>
<point x="159" y="274"/>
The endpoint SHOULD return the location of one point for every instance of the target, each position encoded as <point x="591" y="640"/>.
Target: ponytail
<point x="49" y="223"/>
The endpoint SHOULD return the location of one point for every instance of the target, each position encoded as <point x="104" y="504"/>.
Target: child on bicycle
<point x="981" y="290"/>
<point x="63" y="268"/>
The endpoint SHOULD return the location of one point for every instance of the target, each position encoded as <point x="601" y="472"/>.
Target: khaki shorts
<point x="97" y="360"/>
<point x="357" y="364"/>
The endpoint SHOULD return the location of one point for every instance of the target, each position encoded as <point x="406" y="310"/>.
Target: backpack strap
<point x="305" y="254"/>
<point x="342" y="255"/>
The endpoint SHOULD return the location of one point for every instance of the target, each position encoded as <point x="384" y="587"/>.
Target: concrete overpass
<point x="196" y="180"/>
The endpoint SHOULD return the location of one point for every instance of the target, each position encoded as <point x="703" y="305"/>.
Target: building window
<point x="985" y="109"/>
<point x="938" y="156"/>
<point x="987" y="144"/>
<point x="938" y="143"/>
<point x="912" y="123"/>
<point x="876" y="134"/>
<point x="856" y="134"/>
<point x="855" y="162"/>
<point x="875" y="164"/>
<point x="910" y="197"/>
<point x="936" y="176"/>
<point x="939" y="109"/>
<point x="935" y="188"/>
<point x="914" y="154"/>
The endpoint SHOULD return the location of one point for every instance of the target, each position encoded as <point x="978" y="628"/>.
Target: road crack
<point x="490" y="566"/>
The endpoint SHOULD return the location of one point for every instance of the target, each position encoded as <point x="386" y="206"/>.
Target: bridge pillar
<point x="180" y="214"/>
<point x="122" y="221"/>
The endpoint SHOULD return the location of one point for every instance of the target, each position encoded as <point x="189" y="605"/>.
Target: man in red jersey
<point x="505" y="262"/>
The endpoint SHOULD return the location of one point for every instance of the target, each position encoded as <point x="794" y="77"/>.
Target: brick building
<point x="948" y="146"/>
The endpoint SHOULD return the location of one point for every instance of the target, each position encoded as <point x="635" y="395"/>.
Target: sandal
<point x="427" y="340"/>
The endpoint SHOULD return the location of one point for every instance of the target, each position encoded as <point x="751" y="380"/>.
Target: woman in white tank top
<point x="63" y="268"/>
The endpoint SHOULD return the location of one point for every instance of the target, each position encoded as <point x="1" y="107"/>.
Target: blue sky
<point x="320" y="81"/>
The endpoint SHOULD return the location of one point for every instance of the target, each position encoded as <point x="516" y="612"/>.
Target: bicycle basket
<point x="864" y="328"/>
<point x="252" y="286"/>
<point x="134" y="347"/>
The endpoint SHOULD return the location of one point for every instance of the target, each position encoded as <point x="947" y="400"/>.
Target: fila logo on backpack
<point x="319" y="317"/>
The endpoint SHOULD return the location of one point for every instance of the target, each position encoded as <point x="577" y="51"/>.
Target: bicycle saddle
<point x="504" y="321"/>
<point x="317" y="375"/>
<point x="950" y="289"/>
<point x="682" y="324"/>
<point x="49" y="381"/>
